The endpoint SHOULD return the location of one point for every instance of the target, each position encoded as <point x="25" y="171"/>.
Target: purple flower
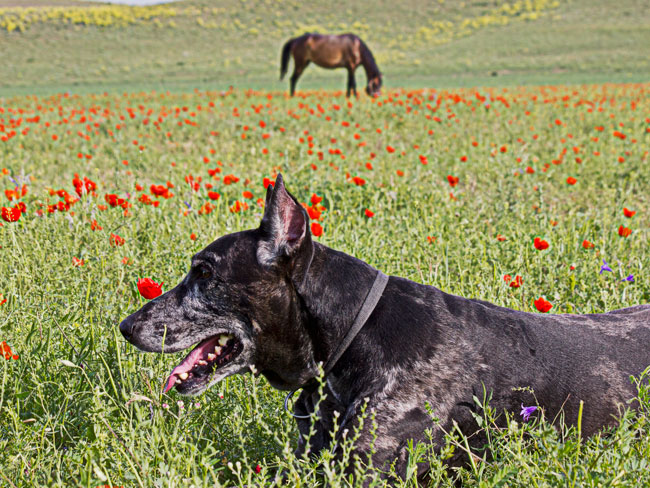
<point x="605" y="267"/>
<point x="526" y="411"/>
<point x="629" y="278"/>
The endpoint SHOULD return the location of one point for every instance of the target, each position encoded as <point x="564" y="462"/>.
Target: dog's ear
<point x="284" y="225"/>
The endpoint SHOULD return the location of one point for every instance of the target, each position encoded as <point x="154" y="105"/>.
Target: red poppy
<point x="543" y="305"/>
<point x="624" y="231"/>
<point x="501" y="238"/>
<point x="358" y="181"/>
<point x="540" y="244"/>
<point x="11" y="214"/>
<point x="77" y="262"/>
<point x="316" y="229"/>
<point x="571" y="180"/>
<point x="369" y="213"/>
<point x="629" y="213"/>
<point x="507" y="278"/>
<point x="313" y="212"/>
<point x="431" y="239"/>
<point x="213" y="195"/>
<point x="193" y="236"/>
<point x="453" y="180"/>
<point x="517" y="282"/>
<point x="266" y="182"/>
<point x="149" y="288"/>
<point x="315" y="199"/>
<point x="116" y="240"/>
<point x="247" y="194"/>
<point x="390" y="149"/>
<point x="587" y="245"/>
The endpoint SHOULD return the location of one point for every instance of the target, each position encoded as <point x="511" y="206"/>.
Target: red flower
<point x="258" y="468"/>
<point x="507" y="278"/>
<point x="77" y="262"/>
<point x="193" y="236"/>
<point x="571" y="180"/>
<point x="266" y="182"/>
<point x="453" y="180"/>
<point x="540" y="244"/>
<point x="11" y="214"/>
<point x="116" y="240"/>
<point x="213" y="195"/>
<point x="390" y="149"/>
<point x="313" y="212"/>
<point x="369" y="213"/>
<point x="149" y="288"/>
<point x="247" y="194"/>
<point x="501" y="238"/>
<point x="517" y="282"/>
<point x="315" y="199"/>
<point x="543" y="305"/>
<point x="624" y="231"/>
<point x="629" y="213"/>
<point x="316" y="229"/>
<point x="358" y="181"/>
<point x="587" y="245"/>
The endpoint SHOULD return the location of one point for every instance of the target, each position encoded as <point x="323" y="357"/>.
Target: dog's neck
<point x="332" y="290"/>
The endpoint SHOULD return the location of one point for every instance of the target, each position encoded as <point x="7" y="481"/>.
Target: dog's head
<point x="238" y="305"/>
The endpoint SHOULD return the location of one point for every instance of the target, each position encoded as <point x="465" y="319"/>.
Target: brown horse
<point x="330" y="51"/>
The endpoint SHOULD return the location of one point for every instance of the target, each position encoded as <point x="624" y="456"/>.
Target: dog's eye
<point x="205" y="273"/>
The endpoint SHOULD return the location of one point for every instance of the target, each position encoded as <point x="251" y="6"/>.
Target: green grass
<point x="106" y="422"/>
<point x="81" y="407"/>
<point x="239" y="44"/>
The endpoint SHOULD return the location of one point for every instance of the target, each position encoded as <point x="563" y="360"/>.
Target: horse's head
<point x="373" y="88"/>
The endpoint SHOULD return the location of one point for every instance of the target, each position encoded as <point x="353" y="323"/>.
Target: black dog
<point x="274" y="299"/>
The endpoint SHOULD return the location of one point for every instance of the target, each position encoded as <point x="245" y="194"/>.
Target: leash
<point x="368" y="306"/>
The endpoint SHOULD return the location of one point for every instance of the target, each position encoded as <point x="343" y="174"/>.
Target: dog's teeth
<point x="217" y="350"/>
<point x="212" y="357"/>
<point x="202" y="362"/>
<point x="223" y="340"/>
<point x="183" y="376"/>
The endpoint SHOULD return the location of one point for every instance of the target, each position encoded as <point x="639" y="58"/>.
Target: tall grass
<point x="81" y="407"/>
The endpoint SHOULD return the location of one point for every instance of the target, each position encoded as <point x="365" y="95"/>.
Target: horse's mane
<point x="368" y="60"/>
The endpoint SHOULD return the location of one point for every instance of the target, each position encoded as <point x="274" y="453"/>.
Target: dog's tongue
<point x="199" y="352"/>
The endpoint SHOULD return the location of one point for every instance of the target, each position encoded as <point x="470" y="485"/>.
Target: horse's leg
<point x="354" y="84"/>
<point x="297" y="71"/>
<point x="350" y="82"/>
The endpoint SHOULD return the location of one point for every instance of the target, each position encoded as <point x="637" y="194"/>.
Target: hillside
<point x="62" y="44"/>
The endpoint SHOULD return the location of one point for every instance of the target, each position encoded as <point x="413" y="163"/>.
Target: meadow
<point x="455" y="189"/>
<point x="519" y="175"/>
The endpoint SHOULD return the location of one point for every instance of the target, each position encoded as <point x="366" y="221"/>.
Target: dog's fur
<point x="289" y="301"/>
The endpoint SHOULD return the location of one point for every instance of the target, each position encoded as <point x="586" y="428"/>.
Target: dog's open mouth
<point x="195" y="370"/>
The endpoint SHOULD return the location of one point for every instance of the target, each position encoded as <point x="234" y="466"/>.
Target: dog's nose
<point x="126" y="327"/>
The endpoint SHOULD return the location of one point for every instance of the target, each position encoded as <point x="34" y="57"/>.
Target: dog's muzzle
<point x="126" y="327"/>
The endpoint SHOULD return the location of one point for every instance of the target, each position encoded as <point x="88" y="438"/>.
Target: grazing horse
<point x="331" y="51"/>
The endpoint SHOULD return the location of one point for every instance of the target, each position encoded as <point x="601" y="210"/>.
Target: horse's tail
<point x="286" y="52"/>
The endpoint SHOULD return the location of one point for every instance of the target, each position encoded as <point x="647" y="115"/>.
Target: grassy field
<point x="80" y="407"/>
<point x="120" y="122"/>
<point x="214" y="44"/>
